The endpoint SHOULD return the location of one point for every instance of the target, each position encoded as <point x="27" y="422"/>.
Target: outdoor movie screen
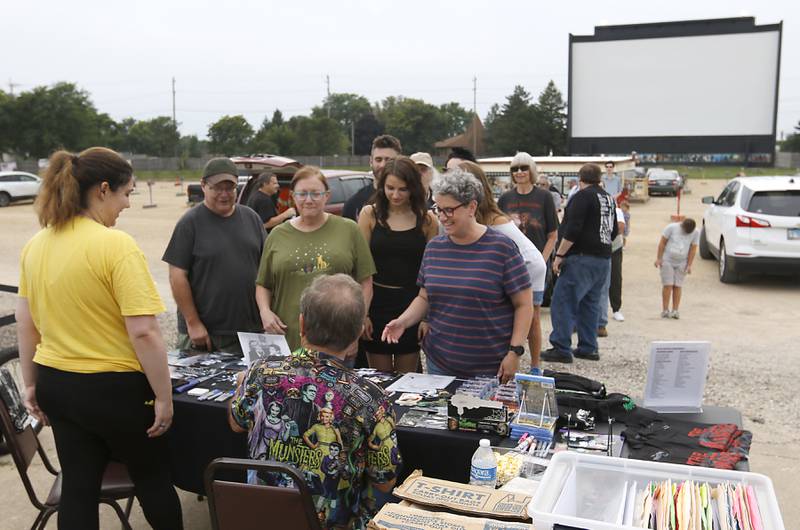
<point x="674" y="86"/>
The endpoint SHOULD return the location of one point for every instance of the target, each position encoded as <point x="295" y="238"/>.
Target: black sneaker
<point x="553" y="355"/>
<point x="589" y="356"/>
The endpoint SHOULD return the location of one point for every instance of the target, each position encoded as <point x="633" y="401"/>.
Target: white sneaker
<point x="675" y="315"/>
<point x="618" y="316"/>
<point x="665" y="314"/>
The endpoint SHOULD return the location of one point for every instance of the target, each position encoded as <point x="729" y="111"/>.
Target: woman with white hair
<point x="474" y="289"/>
<point x="532" y="208"/>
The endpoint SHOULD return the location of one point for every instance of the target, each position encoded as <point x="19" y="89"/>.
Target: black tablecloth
<point x="200" y="433"/>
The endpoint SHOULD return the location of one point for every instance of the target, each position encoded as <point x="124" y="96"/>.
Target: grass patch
<point x="170" y="175"/>
<point x="728" y="172"/>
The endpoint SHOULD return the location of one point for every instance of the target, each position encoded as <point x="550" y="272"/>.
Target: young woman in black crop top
<point x="397" y="227"/>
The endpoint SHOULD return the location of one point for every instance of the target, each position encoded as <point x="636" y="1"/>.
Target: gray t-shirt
<point x="222" y="256"/>
<point x="678" y="242"/>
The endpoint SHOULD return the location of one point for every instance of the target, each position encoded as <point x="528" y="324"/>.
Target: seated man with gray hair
<point x="311" y="411"/>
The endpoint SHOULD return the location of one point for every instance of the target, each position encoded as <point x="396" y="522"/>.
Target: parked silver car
<point x="17" y="186"/>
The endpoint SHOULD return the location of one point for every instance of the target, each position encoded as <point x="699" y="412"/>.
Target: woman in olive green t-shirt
<point x="309" y="245"/>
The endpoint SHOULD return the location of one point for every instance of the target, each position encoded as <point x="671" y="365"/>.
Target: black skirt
<point x="388" y="304"/>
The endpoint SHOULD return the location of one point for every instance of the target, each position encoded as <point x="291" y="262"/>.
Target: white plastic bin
<point x="591" y="491"/>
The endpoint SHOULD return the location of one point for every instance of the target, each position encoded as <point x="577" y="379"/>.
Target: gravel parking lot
<point x="753" y="328"/>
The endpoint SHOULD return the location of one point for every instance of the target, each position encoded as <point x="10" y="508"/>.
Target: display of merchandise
<point x="538" y="410"/>
<point x="205" y="376"/>
<point x="672" y="505"/>
<point x="567" y="383"/>
<point x="605" y="493"/>
<point x="425" y="417"/>
<point x="377" y="377"/>
<point x="480" y="387"/>
<point x="507" y="394"/>
<point x="483" y="469"/>
<point x="666" y="439"/>
<point x="512" y="463"/>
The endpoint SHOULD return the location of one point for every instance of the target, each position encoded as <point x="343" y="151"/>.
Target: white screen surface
<point x="715" y="85"/>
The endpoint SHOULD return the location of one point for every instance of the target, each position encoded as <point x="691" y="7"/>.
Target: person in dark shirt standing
<point x="262" y="201"/>
<point x="532" y="209"/>
<point x="384" y="148"/>
<point x="583" y="261"/>
<point x="213" y="258"/>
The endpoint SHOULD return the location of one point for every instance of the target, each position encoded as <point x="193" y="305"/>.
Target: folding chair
<point x="239" y="506"/>
<point x="24" y="445"/>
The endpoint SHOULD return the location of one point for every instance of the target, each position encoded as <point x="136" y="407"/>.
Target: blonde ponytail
<point x="60" y="196"/>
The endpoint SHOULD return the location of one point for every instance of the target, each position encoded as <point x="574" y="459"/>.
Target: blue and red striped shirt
<point x="470" y="312"/>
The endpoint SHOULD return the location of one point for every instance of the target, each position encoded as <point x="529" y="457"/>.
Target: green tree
<point x="120" y="138"/>
<point x="264" y="142"/>
<point x="191" y="147"/>
<point x="456" y="119"/>
<point x="155" y="137"/>
<point x="366" y="129"/>
<point x="47" y="118"/>
<point x="792" y="142"/>
<point x="344" y="108"/>
<point x="230" y="135"/>
<point x="418" y="125"/>
<point x="6" y="121"/>
<point x="552" y="113"/>
<point x="277" y="118"/>
<point x="317" y="136"/>
<point x="514" y="127"/>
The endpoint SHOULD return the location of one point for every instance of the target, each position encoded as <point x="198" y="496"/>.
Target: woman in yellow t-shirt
<point x="92" y="356"/>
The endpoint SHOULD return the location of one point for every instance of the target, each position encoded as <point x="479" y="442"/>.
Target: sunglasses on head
<point x="514" y="169"/>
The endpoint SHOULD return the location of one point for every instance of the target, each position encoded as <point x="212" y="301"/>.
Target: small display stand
<point x="538" y="410"/>
<point x="151" y="204"/>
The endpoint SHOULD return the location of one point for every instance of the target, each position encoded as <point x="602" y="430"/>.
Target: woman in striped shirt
<point x="474" y="289"/>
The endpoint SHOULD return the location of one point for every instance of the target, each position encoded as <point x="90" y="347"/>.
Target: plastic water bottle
<point x="483" y="471"/>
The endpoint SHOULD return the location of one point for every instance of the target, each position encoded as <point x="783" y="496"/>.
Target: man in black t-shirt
<point x="213" y="258"/>
<point x="262" y="201"/>
<point x="384" y="148"/>
<point x="583" y="262"/>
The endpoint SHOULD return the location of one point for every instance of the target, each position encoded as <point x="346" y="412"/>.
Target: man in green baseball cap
<point x="213" y="259"/>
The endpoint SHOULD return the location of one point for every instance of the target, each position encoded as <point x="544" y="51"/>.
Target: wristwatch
<point x="519" y="350"/>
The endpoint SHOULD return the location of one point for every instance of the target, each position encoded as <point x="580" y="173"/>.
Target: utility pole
<point x="11" y="86"/>
<point x="328" y="100"/>
<point x="174" y="120"/>
<point x="475" y="113"/>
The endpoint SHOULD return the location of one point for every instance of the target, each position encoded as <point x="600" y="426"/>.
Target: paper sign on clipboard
<point x="676" y="376"/>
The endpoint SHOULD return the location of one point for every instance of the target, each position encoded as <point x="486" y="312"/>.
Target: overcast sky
<point x="251" y="57"/>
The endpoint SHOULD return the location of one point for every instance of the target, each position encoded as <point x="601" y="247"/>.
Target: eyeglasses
<point x="448" y="212"/>
<point x="223" y="187"/>
<point x="303" y="195"/>
<point x="515" y="169"/>
<point x="609" y="167"/>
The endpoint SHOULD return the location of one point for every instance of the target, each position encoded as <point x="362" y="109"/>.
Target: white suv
<point x="18" y="185"/>
<point x="753" y="226"/>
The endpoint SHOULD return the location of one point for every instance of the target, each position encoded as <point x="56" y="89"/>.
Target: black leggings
<point x="103" y="416"/>
<point x="615" y="287"/>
